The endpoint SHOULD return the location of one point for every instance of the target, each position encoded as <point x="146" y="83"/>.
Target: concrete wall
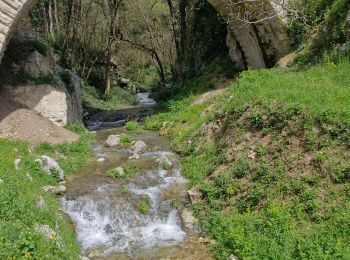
<point x="11" y="12"/>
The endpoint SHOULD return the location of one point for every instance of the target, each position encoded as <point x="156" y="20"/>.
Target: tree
<point x="111" y="9"/>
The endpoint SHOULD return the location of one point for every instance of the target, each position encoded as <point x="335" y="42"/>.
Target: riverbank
<point x="270" y="158"/>
<point x="32" y="226"/>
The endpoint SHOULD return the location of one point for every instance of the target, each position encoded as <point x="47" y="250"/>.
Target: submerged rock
<point x="57" y="190"/>
<point x="100" y="160"/>
<point x="50" y="166"/>
<point x="138" y="147"/>
<point x="164" y="162"/>
<point x="135" y="156"/>
<point x="112" y="140"/>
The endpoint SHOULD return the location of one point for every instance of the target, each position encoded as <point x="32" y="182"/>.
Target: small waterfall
<point x="145" y="100"/>
<point x="108" y="220"/>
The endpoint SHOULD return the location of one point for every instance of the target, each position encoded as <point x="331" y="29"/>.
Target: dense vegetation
<point x="24" y="204"/>
<point x="269" y="154"/>
<point x="271" y="158"/>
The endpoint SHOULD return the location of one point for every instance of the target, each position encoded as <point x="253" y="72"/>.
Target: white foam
<point x="145" y="100"/>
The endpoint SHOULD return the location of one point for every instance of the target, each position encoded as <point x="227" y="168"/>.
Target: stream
<point x="106" y="211"/>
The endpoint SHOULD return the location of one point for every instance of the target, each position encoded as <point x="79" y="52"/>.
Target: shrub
<point x="241" y="168"/>
<point x="132" y="125"/>
<point x="144" y="205"/>
<point x="126" y="139"/>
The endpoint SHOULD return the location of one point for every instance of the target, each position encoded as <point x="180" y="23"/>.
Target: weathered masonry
<point x="11" y="12"/>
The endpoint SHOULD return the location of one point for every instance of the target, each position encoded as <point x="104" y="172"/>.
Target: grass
<point x="271" y="159"/>
<point x="19" y="193"/>
<point x="132" y="126"/>
<point x="144" y="205"/>
<point x="322" y="89"/>
<point x="126" y="139"/>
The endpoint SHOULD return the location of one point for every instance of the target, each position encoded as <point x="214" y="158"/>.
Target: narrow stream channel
<point x="105" y="211"/>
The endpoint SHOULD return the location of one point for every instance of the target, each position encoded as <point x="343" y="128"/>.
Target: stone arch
<point x="257" y="45"/>
<point x="11" y="11"/>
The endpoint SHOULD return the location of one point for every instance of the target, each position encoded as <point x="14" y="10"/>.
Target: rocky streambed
<point x="132" y="206"/>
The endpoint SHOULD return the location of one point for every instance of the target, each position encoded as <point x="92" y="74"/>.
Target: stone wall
<point x="11" y="12"/>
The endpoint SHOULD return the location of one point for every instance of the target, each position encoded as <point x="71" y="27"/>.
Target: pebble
<point x="100" y="160"/>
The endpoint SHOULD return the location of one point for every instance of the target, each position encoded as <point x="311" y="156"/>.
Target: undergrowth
<point x="20" y="191"/>
<point x="271" y="158"/>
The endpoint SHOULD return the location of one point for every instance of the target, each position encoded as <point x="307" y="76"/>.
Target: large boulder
<point x="31" y="78"/>
<point x="45" y="99"/>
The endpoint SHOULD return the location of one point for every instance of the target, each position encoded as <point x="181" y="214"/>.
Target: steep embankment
<point x="270" y="159"/>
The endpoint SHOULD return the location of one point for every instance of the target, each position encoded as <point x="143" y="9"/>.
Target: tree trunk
<point x="108" y="68"/>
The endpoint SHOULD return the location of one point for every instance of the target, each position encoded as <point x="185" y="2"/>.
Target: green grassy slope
<point x="271" y="158"/>
<point x="20" y="191"/>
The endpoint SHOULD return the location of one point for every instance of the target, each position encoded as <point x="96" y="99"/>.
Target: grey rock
<point x="120" y="171"/>
<point x="57" y="190"/>
<point x="101" y="160"/>
<point x="50" y="166"/>
<point x="46" y="231"/>
<point x="189" y="221"/>
<point x="112" y="140"/>
<point x="164" y="162"/>
<point x="194" y="195"/>
<point x="135" y="156"/>
<point x="138" y="147"/>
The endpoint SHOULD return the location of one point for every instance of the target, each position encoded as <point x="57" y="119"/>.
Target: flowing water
<point x="105" y="211"/>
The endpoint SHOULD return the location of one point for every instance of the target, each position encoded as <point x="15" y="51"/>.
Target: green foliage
<point x="132" y="125"/>
<point x="241" y="168"/>
<point x="146" y="78"/>
<point x="75" y="154"/>
<point x="274" y="173"/>
<point x="40" y="46"/>
<point x="125" y="189"/>
<point x="93" y="98"/>
<point x="25" y="77"/>
<point x="128" y="171"/>
<point x="66" y="77"/>
<point x="308" y="90"/>
<point x="325" y="24"/>
<point x="19" y="212"/>
<point x="144" y="205"/>
<point x="126" y="139"/>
